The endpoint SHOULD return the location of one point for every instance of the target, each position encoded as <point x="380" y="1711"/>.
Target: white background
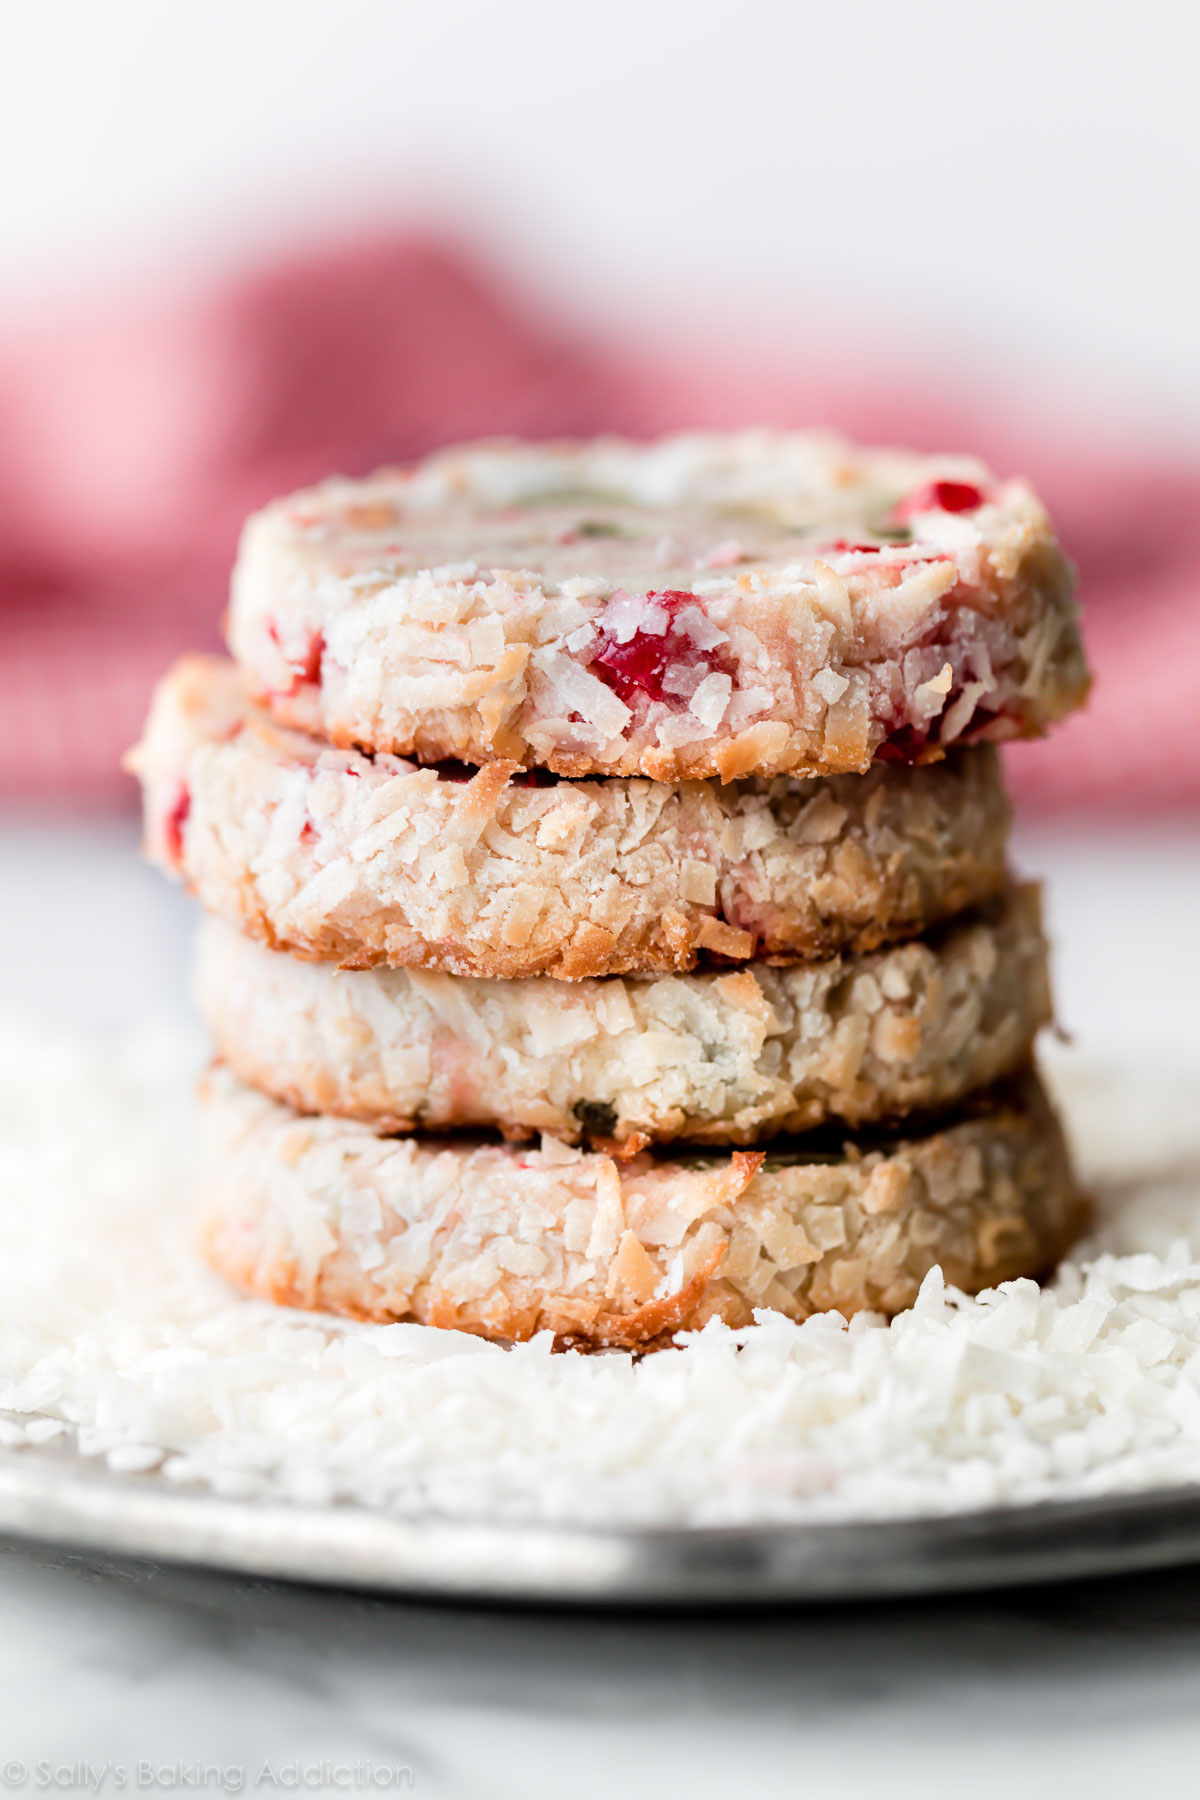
<point x="1010" y="187"/>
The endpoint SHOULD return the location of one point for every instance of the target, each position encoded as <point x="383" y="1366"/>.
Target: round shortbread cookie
<point x="323" y="1213"/>
<point x="715" y="1058"/>
<point x="368" y="860"/>
<point x="756" y="604"/>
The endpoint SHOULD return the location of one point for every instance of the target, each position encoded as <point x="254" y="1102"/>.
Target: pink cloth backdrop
<point x="132" y="445"/>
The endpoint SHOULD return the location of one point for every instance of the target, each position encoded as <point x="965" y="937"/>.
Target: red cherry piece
<point x="174" y="823"/>
<point x="310" y="668"/>
<point x="640" y="664"/>
<point x="840" y="547"/>
<point x="908" y="743"/>
<point x="940" y="496"/>
<point x="904" y="746"/>
<point x="534" y="778"/>
<point x="634" y="667"/>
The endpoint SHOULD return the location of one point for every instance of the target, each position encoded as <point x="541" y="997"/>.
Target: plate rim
<point x="74" y="1503"/>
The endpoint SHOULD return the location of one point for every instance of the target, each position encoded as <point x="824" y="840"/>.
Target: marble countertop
<point x="1087" y="1688"/>
<point x="147" y="1680"/>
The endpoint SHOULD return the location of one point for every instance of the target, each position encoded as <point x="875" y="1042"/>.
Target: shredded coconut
<point x="110" y="1326"/>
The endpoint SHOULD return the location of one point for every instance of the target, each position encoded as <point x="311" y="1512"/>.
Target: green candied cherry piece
<point x="574" y="496"/>
<point x="596" y="1117"/>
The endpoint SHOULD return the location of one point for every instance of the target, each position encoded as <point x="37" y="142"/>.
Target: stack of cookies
<point x="604" y="847"/>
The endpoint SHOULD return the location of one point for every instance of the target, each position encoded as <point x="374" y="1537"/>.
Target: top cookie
<point x="754" y="604"/>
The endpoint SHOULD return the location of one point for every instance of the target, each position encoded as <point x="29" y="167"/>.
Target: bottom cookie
<point x="506" y="1241"/>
